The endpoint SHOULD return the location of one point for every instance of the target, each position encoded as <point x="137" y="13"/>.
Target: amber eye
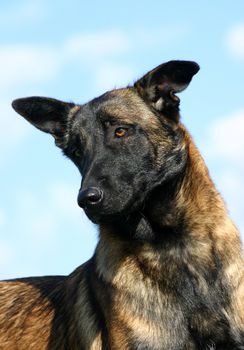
<point x="120" y="132"/>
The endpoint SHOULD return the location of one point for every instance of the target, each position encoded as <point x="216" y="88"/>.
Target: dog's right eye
<point x="120" y="132"/>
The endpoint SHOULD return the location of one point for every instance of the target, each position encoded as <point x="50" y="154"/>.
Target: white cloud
<point x="227" y="138"/>
<point x="158" y="36"/>
<point x="98" y="52"/>
<point x="96" y="45"/>
<point x="22" y="65"/>
<point x="235" y="41"/>
<point x="111" y="75"/>
<point x="21" y="68"/>
<point x="226" y="149"/>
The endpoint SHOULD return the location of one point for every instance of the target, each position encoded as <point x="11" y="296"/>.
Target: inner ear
<point x="159" y="86"/>
<point x="47" y="114"/>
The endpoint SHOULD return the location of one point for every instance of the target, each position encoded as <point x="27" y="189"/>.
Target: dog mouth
<point x="109" y="214"/>
<point x="100" y="216"/>
<point x="117" y="206"/>
<point x="95" y="217"/>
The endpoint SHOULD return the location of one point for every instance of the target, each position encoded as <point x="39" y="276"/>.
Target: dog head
<point x="125" y="143"/>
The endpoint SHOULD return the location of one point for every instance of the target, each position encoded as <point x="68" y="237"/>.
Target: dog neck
<point x="189" y="200"/>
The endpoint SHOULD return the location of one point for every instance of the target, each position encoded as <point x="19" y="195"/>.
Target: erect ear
<point x="47" y="114"/>
<point x="158" y="87"/>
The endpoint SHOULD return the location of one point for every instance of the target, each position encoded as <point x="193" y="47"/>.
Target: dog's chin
<point x="102" y="217"/>
<point x="95" y="219"/>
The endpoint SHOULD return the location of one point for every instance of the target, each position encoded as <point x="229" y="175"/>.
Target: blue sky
<point x="75" y="50"/>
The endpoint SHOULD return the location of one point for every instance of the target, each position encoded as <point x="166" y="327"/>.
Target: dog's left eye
<point x="77" y="153"/>
<point x="120" y="132"/>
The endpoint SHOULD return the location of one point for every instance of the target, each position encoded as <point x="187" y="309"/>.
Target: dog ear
<point x="47" y="114"/>
<point x="158" y="87"/>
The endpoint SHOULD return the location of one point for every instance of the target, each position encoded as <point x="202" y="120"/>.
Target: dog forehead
<point x="124" y="105"/>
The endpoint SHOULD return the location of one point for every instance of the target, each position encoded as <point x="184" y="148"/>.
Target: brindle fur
<point x="168" y="269"/>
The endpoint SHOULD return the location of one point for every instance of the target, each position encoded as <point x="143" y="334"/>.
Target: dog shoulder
<point x="34" y="310"/>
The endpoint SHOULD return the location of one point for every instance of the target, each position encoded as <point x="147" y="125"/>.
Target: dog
<point x="168" y="270"/>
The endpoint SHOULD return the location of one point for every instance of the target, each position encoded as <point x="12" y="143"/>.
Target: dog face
<point x="125" y="143"/>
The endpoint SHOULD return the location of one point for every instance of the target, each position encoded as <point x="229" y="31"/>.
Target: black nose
<point x="89" y="197"/>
